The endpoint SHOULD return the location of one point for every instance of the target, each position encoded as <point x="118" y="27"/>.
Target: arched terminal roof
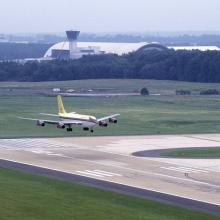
<point x="122" y="48"/>
<point x="116" y="48"/>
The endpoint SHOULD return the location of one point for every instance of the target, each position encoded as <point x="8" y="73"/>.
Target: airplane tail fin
<point x="61" y="109"/>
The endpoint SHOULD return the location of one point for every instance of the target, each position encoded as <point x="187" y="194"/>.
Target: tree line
<point x="9" y="51"/>
<point x="193" y="66"/>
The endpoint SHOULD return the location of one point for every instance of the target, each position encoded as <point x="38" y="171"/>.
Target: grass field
<point x="162" y="87"/>
<point x="165" y="114"/>
<point x="139" y="115"/>
<point x="24" y="196"/>
<point x="195" y="153"/>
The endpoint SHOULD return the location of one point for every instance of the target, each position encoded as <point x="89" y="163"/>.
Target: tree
<point x="192" y="66"/>
<point x="144" y="91"/>
<point x="183" y="92"/>
<point x="210" y="92"/>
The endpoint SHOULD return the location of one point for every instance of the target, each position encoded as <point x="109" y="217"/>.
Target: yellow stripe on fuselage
<point x="79" y="117"/>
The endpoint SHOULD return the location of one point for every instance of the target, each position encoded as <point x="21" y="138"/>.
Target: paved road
<point x="143" y="193"/>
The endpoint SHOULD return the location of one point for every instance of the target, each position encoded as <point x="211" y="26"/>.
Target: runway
<point x="109" y="161"/>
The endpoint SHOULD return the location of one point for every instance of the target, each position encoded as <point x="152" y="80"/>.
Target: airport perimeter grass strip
<point x="194" y="153"/>
<point x="26" y="196"/>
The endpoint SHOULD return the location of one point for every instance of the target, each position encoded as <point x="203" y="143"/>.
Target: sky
<point x="52" y="16"/>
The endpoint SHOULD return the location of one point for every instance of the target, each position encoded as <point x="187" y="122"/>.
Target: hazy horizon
<point x="155" y="33"/>
<point x="140" y="16"/>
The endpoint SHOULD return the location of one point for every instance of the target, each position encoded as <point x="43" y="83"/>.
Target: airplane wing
<point x="54" y="115"/>
<point x="43" y="121"/>
<point x="107" y="117"/>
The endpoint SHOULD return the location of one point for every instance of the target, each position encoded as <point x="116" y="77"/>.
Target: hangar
<point x="61" y="50"/>
<point x="72" y="49"/>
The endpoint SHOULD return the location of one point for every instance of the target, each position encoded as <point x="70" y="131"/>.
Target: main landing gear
<point x="88" y="129"/>
<point x="69" y="129"/>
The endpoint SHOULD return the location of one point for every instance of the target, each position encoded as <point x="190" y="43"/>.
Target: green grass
<point x="165" y="114"/>
<point x="195" y="153"/>
<point x="139" y="115"/>
<point x="25" y="196"/>
<point x="163" y="87"/>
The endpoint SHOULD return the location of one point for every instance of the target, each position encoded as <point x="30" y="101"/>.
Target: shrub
<point x="144" y="91"/>
<point x="183" y="92"/>
<point x="210" y="92"/>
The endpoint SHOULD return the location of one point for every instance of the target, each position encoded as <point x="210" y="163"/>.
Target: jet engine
<point x="103" y="124"/>
<point x="40" y="123"/>
<point x="113" y="120"/>
<point x="60" y="125"/>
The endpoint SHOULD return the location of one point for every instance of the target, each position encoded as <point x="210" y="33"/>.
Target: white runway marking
<point x="88" y="174"/>
<point x="185" y="169"/>
<point x="25" y="144"/>
<point x="111" y="162"/>
<point x="114" y="174"/>
<point x="98" y="173"/>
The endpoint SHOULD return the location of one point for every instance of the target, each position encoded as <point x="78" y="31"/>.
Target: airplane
<point x="67" y="120"/>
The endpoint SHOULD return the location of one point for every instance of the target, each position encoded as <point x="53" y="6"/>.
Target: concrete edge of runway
<point x="115" y="187"/>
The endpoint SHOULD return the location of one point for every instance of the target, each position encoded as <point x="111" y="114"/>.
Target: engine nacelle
<point x="60" y="125"/>
<point x="40" y="123"/>
<point x="113" y="120"/>
<point x="103" y="124"/>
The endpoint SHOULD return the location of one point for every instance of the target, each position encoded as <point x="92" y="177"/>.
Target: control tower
<point x="72" y="37"/>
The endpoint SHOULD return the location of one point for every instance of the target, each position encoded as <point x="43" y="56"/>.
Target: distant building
<point x="201" y="48"/>
<point x="56" y="90"/>
<point x="72" y="49"/>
